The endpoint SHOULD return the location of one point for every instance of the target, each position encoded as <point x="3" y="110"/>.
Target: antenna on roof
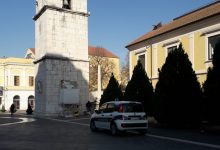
<point x="155" y="27"/>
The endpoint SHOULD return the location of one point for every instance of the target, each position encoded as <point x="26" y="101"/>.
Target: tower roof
<point x="100" y="51"/>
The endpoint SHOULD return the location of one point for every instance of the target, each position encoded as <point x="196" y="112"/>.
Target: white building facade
<point x="17" y="83"/>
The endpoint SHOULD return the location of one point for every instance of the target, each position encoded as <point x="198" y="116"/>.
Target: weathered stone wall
<point x="62" y="33"/>
<point x="51" y="74"/>
<point x="61" y="54"/>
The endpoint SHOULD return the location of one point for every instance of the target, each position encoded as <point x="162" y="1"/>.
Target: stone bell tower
<point x="62" y="66"/>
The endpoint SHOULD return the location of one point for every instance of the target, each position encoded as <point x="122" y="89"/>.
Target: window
<point x="170" y="49"/>
<point x="110" y="107"/>
<point x="31" y="81"/>
<point x="31" y="101"/>
<point x="16" y="101"/>
<point x="16" y="81"/>
<point x="141" y="58"/>
<point x="103" y="108"/>
<point x="212" y="40"/>
<point x="133" y="107"/>
<point x="66" y="4"/>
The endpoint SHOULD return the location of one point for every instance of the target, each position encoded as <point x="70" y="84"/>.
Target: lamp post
<point x="99" y="83"/>
<point x="4" y="88"/>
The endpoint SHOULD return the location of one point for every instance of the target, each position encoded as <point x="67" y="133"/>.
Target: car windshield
<point x="132" y="107"/>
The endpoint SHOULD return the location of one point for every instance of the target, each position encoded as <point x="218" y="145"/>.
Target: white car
<point x="120" y="116"/>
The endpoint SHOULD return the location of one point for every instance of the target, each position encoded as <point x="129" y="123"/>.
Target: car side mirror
<point x="97" y="111"/>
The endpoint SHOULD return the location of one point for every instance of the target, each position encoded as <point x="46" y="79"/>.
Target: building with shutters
<point x="198" y="31"/>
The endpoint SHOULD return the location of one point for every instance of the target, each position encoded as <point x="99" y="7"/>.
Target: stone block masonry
<point x="61" y="53"/>
<point x="51" y="78"/>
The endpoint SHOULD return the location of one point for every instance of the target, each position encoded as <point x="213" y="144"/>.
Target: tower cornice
<point x="45" y="7"/>
<point x="57" y="57"/>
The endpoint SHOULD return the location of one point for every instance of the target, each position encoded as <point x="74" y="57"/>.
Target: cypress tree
<point x="140" y="89"/>
<point x="178" y="94"/>
<point x="112" y="91"/>
<point x="212" y="89"/>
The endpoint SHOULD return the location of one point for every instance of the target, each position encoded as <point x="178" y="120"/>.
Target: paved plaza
<point x="22" y="132"/>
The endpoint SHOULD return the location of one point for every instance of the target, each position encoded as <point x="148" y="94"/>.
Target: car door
<point x="100" y="120"/>
<point x="108" y="115"/>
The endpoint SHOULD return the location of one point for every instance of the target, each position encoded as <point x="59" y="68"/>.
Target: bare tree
<point x="107" y="67"/>
<point x="124" y="77"/>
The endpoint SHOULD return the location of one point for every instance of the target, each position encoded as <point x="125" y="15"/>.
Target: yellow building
<point x="16" y="82"/>
<point x="198" y="31"/>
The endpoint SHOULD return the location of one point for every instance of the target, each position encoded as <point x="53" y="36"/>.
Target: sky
<point x="113" y="23"/>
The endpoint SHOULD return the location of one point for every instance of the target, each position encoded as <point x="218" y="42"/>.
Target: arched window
<point x="66" y="4"/>
<point x="16" y="101"/>
<point x="31" y="101"/>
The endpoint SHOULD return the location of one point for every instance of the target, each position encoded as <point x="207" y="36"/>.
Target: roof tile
<point x="100" y="51"/>
<point x="192" y="17"/>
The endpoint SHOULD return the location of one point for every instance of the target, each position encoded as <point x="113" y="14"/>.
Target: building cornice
<point x="16" y="64"/>
<point x="209" y="31"/>
<point x="171" y="42"/>
<point x="54" y="57"/>
<point x="45" y="7"/>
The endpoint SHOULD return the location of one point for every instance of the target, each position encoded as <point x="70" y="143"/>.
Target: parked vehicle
<point x="120" y="116"/>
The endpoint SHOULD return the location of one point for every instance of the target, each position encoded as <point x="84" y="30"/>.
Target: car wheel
<point x="93" y="127"/>
<point x="114" y="129"/>
<point x="142" y="132"/>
